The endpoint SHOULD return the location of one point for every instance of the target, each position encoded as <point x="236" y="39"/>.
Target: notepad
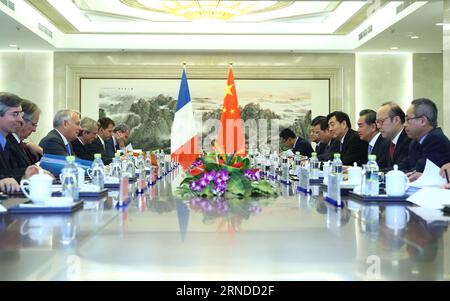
<point x="430" y="177"/>
<point x="431" y="197"/>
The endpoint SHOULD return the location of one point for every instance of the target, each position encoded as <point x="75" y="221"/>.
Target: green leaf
<point x="235" y="185"/>
<point x="246" y="163"/>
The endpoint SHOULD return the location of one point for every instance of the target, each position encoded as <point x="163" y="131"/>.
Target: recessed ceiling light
<point x="394" y="48"/>
<point x="414" y="37"/>
<point x="13" y="45"/>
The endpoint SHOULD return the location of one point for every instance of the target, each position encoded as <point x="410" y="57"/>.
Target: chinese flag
<point x="231" y="132"/>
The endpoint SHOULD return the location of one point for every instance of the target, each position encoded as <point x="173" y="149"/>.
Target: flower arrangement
<point x="230" y="176"/>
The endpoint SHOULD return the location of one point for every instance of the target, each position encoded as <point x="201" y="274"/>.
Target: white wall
<point x="382" y="77"/>
<point x="428" y="80"/>
<point x="30" y="75"/>
<point x="446" y="64"/>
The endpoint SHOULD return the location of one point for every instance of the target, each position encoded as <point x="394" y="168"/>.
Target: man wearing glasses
<point x="429" y="142"/>
<point x="26" y="154"/>
<point x="10" y="120"/>
<point x="390" y="123"/>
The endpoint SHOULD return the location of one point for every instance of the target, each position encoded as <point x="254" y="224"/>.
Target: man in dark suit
<point x="313" y="136"/>
<point x="88" y="133"/>
<point x="352" y="148"/>
<point x="119" y="138"/>
<point x="26" y="154"/>
<point x="10" y="120"/>
<point x="390" y="123"/>
<point x="368" y="131"/>
<point x="429" y="142"/>
<point x="327" y="145"/>
<point x="99" y="145"/>
<point x="66" y="125"/>
<point x="295" y="144"/>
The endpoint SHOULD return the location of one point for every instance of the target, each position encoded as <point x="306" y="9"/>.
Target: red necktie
<point x="26" y="151"/>
<point x="391" y="150"/>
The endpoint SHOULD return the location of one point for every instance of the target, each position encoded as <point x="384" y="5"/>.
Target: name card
<point x="334" y="190"/>
<point x="303" y="180"/>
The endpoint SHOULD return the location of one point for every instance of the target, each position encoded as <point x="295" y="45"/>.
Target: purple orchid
<point x="195" y="186"/>
<point x="197" y="163"/>
<point x="253" y="175"/>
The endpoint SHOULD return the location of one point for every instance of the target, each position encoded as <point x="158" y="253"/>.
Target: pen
<point x="446" y="176"/>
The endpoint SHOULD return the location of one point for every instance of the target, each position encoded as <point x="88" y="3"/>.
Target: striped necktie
<point x="68" y="149"/>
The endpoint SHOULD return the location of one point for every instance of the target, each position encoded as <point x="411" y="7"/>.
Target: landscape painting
<point x="148" y="105"/>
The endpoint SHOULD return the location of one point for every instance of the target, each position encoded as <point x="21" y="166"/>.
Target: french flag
<point x="183" y="137"/>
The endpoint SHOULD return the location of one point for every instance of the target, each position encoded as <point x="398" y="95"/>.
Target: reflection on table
<point x="158" y="236"/>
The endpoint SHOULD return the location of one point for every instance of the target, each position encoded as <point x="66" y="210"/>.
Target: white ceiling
<point x="301" y="26"/>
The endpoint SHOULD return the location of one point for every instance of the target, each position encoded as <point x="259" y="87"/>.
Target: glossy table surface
<point x="159" y="236"/>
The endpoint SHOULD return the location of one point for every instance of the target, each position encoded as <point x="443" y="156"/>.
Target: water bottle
<point x="148" y="159"/>
<point x="284" y="170"/>
<point x="142" y="182"/>
<point x="140" y="162"/>
<point x="274" y="162"/>
<point x="297" y="163"/>
<point x="336" y="168"/>
<point x="98" y="171"/>
<point x="69" y="179"/>
<point x="116" y="167"/>
<point x="267" y="166"/>
<point x="128" y="167"/>
<point x="372" y="182"/>
<point x="162" y="163"/>
<point x="251" y="155"/>
<point x="314" y="166"/>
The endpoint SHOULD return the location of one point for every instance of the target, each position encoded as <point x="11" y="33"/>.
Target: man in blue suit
<point x="429" y="142"/>
<point x="295" y="144"/>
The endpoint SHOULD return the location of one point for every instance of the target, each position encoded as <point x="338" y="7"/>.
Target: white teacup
<point x="354" y="175"/>
<point x="397" y="182"/>
<point x="38" y="188"/>
<point x="396" y="217"/>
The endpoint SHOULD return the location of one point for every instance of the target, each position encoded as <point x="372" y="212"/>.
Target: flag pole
<point x="184" y="66"/>
<point x="231" y="64"/>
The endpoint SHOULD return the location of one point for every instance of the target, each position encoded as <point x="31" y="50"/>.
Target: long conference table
<point x="159" y="236"/>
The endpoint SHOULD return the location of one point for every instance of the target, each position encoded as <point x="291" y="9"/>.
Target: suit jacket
<point x="110" y="148"/>
<point x="320" y="148"/>
<point x="19" y="156"/>
<point x="81" y="151"/>
<point x="329" y="150"/>
<point x="381" y="150"/>
<point x="302" y="146"/>
<point x="353" y="149"/>
<point x="96" y="147"/>
<point x="9" y="167"/>
<point x="435" y="147"/>
<point x="53" y="144"/>
<point x="400" y="153"/>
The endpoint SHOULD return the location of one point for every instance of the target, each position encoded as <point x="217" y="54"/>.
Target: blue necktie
<point x="68" y="149"/>
<point x="370" y="149"/>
